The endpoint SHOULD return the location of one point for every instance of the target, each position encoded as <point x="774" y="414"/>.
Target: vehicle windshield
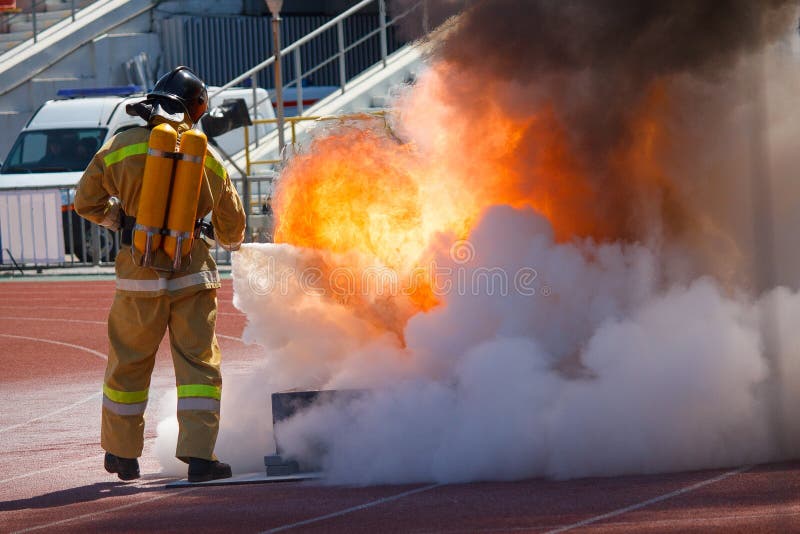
<point x="53" y="150"/>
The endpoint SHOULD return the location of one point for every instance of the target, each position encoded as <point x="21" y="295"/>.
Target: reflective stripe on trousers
<point x="199" y="397"/>
<point x="165" y="284"/>
<point x="124" y="402"/>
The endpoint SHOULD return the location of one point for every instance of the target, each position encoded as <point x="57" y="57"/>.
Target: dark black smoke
<point x="600" y="56"/>
<point x="594" y="64"/>
<point x="635" y="39"/>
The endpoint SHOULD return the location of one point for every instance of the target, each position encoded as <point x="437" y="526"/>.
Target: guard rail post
<point x="298" y="70"/>
<point x="342" y="66"/>
<point x="95" y="236"/>
<point x="382" y="22"/>
<point x="33" y="19"/>
<point x="254" y="83"/>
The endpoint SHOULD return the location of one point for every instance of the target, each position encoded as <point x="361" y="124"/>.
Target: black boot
<point x="125" y="468"/>
<point x="201" y="470"/>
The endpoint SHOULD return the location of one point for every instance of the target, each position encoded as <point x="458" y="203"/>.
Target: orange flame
<point x="360" y="191"/>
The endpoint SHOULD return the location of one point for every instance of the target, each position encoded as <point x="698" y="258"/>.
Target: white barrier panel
<point x="31" y="227"/>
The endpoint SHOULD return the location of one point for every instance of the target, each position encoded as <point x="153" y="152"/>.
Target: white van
<point x="61" y="138"/>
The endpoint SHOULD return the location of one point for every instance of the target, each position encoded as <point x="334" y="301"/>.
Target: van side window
<point x="61" y="150"/>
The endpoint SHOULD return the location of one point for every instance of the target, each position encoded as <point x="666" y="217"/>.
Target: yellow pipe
<point x="293" y="122"/>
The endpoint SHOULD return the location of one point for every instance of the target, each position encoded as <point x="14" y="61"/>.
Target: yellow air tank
<point x="153" y="199"/>
<point x="184" y="196"/>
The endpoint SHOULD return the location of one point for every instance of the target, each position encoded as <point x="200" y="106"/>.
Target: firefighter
<point x="152" y="296"/>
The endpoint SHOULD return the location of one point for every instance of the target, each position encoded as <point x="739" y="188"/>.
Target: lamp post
<point x="275" y="8"/>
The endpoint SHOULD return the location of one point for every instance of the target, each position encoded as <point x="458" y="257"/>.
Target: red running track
<point x="51" y="475"/>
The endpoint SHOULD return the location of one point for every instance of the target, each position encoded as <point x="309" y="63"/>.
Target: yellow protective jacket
<point x="116" y="171"/>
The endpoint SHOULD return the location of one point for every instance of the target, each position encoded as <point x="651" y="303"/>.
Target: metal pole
<point x="33" y="15"/>
<point x="382" y="21"/>
<point x="72" y="3"/>
<point x="276" y="43"/>
<point x="298" y="69"/>
<point x="95" y="237"/>
<point x="426" y="23"/>
<point x="342" y="70"/>
<point x="247" y="149"/>
<point x="254" y="83"/>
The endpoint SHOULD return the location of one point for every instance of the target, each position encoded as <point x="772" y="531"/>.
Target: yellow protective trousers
<point x="136" y="326"/>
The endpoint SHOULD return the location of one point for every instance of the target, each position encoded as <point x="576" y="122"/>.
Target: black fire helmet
<point x="182" y="86"/>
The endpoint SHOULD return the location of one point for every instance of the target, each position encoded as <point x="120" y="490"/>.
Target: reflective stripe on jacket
<point x="116" y="170"/>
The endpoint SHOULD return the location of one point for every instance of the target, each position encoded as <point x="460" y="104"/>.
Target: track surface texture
<point x="54" y="343"/>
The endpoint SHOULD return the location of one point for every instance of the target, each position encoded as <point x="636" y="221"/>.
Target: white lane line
<point x="50" y="414"/>
<point x="351" y="510"/>
<point x="60" y="466"/>
<point x="48" y="307"/>
<point x="675" y="524"/>
<point x="48" y="319"/>
<point x="82" y="321"/>
<point x="61" y="343"/>
<point x="42" y="291"/>
<point x="654" y="500"/>
<point x="93" y="515"/>
<point x="46" y="470"/>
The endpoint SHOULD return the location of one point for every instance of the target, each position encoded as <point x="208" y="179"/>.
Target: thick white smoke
<point x="593" y="359"/>
<point x="650" y="380"/>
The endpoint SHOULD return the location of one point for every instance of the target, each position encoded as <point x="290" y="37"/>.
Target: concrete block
<point x="289" y="468"/>
<point x="273" y="459"/>
<point x="289" y="403"/>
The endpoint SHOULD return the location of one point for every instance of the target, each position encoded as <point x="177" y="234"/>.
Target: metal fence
<point x="220" y="48"/>
<point x="334" y="47"/>
<point x="27" y="232"/>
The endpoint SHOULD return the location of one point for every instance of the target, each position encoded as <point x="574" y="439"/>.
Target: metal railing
<point x="343" y="48"/>
<point x="293" y="121"/>
<point x="86" y="244"/>
<point x="10" y="17"/>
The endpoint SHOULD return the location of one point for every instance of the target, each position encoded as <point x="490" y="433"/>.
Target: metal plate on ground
<point x="246" y="478"/>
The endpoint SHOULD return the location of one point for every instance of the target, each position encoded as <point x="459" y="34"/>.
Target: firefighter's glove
<point x="112" y="215"/>
<point x="207" y="229"/>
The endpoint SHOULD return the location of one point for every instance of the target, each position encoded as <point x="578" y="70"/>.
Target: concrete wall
<point x="98" y="63"/>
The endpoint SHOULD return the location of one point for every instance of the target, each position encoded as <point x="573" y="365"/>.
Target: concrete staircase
<point x="86" y="53"/>
<point x="17" y="28"/>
